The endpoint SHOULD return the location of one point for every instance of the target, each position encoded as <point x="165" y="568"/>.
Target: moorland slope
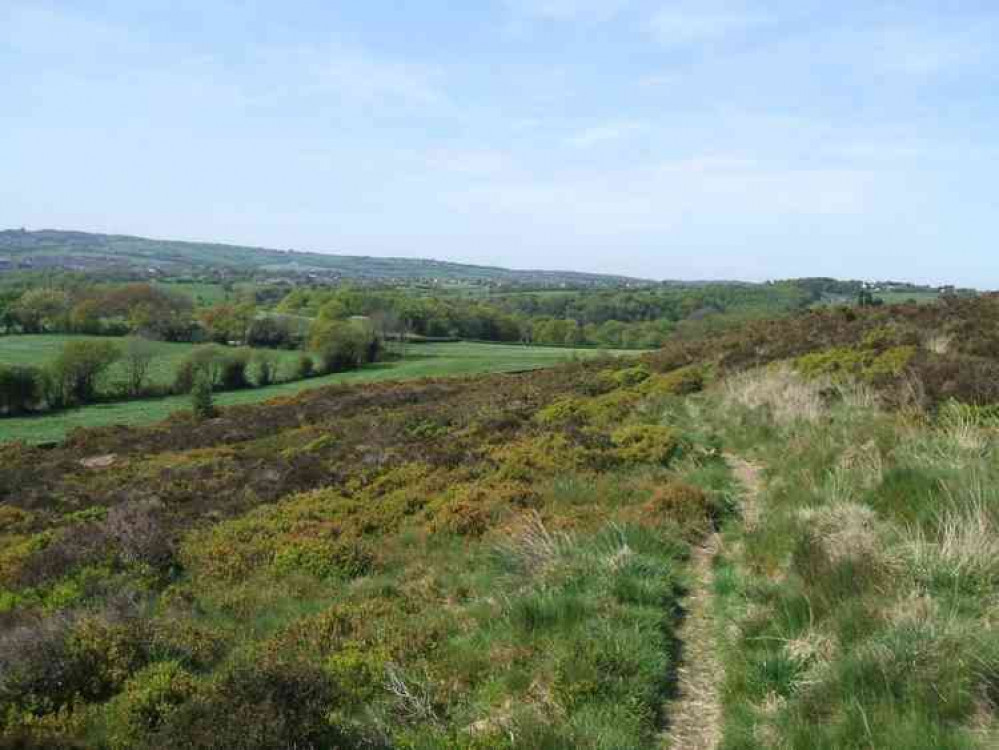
<point x="505" y="560"/>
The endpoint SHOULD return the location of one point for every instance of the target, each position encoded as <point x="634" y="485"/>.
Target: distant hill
<point x="83" y="251"/>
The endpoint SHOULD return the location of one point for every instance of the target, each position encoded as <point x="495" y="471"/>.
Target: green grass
<point x="889" y="298"/>
<point x="857" y="609"/>
<point x="40" y="350"/>
<point x="422" y="361"/>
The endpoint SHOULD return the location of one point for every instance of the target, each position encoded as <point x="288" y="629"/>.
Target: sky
<point x="707" y="139"/>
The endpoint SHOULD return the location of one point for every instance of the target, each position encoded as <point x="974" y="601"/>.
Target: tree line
<point x="620" y="318"/>
<point x="145" y="310"/>
<point x="82" y="371"/>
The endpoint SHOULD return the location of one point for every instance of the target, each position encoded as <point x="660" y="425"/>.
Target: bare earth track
<point x="696" y="716"/>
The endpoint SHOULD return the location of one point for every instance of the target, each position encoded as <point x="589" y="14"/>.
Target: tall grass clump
<point x="861" y="612"/>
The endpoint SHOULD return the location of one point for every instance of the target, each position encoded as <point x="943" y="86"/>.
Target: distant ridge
<point x="84" y="251"/>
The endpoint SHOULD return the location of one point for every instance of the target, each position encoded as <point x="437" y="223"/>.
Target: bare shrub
<point x="414" y="697"/>
<point x="139" y="532"/>
<point x="78" y="545"/>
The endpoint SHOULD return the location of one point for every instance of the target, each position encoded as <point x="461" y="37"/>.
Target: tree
<point x="226" y="323"/>
<point x="85" y="317"/>
<point x="137" y="357"/>
<point x="207" y="359"/>
<point x="234" y="366"/>
<point x="265" y="367"/>
<point x="271" y="332"/>
<point x="41" y="310"/>
<point x="305" y="367"/>
<point x="344" y="345"/>
<point x="7" y="319"/>
<point x="151" y="311"/>
<point x="79" y="367"/>
<point x="202" y="401"/>
<point x="20" y="389"/>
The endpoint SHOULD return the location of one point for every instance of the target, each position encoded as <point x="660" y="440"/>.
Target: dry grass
<point x="533" y="547"/>
<point x="784" y="393"/>
<point x="844" y="531"/>
<point x="964" y="547"/>
<point x="956" y="443"/>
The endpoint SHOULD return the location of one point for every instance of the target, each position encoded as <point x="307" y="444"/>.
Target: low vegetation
<point x="503" y="561"/>
<point x="426" y="565"/>
<point x="861" y="610"/>
<point x="420" y="361"/>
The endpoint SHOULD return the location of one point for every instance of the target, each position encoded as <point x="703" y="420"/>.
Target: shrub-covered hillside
<point x="946" y="350"/>
<point x="533" y="561"/>
<point x="467" y="563"/>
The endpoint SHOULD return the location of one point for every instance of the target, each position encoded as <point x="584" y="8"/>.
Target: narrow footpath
<point x="695" y="717"/>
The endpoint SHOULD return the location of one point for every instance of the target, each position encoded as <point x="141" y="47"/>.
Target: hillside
<point x="82" y="251"/>
<point x="781" y="535"/>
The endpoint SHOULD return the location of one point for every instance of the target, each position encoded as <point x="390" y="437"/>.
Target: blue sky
<point x="709" y="139"/>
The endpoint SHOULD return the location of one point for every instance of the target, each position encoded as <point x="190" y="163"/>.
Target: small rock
<point x="98" y="462"/>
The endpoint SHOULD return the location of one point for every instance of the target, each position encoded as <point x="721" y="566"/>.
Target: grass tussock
<point x="861" y="612"/>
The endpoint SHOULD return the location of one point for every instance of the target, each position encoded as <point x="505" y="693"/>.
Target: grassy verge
<point x="423" y="360"/>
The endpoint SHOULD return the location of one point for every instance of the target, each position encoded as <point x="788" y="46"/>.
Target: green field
<point x="896" y="298"/>
<point x="40" y="350"/>
<point x="422" y="360"/>
<point x="889" y="298"/>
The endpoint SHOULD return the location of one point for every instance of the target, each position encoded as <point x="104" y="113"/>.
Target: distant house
<point x="6" y="264"/>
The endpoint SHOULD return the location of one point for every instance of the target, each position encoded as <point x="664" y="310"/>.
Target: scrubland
<point x="504" y="561"/>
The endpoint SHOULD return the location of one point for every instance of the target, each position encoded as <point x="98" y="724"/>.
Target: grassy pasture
<point x="40" y="350"/>
<point x="889" y="298"/>
<point x="421" y="361"/>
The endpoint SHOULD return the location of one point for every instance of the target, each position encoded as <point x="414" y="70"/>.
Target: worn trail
<point x="695" y="717"/>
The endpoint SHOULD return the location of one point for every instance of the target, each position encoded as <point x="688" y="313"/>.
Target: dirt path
<point x="748" y="475"/>
<point x="696" y="716"/>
